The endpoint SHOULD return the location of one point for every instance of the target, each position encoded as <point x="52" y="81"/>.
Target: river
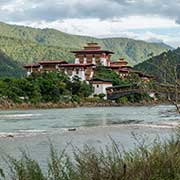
<point x="35" y="129"/>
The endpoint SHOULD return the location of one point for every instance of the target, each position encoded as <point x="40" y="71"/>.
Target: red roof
<point x="119" y="63"/>
<point x="117" y="66"/>
<point x="76" y="65"/>
<point x="123" y="70"/>
<point x="32" y="66"/>
<point x="127" y="67"/>
<point x="53" y="62"/>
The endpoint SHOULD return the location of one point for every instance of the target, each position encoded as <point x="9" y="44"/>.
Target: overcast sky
<point x="150" y="20"/>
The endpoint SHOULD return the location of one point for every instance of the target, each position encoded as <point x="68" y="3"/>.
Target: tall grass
<point x="160" y="161"/>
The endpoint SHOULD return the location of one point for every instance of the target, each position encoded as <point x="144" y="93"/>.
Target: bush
<point x="46" y="87"/>
<point x="76" y="98"/>
<point x="134" y="98"/>
<point x="102" y="95"/>
<point x="122" y="100"/>
<point x="159" y="161"/>
<point x="102" y="72"/>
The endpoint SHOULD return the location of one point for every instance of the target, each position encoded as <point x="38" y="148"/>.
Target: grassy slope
<point x="34" y="44"/>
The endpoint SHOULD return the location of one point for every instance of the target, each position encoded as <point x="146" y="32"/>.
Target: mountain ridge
<point x="25" y="45"/>
<point x="84" y="36"/>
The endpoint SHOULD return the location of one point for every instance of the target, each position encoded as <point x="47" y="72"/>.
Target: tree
<point x="166" y="69"/>
<point x="80" y="88"/>
<point x="102" y="72"/>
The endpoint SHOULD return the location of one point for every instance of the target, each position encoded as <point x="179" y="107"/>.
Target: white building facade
<point x="100" y="86"/>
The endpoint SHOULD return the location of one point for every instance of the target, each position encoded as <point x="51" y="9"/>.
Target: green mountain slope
<point x="27" y="51"/>
<point x="9" y="68"/>
<point x="134" y="51"/>
<point x="162" y="66"/>
<point x="26" y="45"/>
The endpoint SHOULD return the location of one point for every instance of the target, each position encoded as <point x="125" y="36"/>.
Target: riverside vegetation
<point x="158" y="161"/>
<point x="46" y="87"/>
<point x="57" y="88"/>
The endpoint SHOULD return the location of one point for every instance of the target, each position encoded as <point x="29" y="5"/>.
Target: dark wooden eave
<point x="53" y="62"/>
<point x="92" y="52"/>
<point x="76" y="65"/>
<point x="32" y="66"/>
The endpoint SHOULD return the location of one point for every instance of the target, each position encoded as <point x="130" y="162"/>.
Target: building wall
<point x="100" y="88"/>
<point x="92" y="59"/>
<point x="72" y="72"/>
<point x="31" y="70"/>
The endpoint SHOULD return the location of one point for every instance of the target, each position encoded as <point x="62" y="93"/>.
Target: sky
<point x="149" y="20"/>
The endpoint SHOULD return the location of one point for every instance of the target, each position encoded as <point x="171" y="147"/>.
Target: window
<point x="77" y="71"/>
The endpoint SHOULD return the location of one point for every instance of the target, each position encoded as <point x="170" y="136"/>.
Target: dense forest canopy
<point x="46" y="87"/>
<point x="163" y="66"/>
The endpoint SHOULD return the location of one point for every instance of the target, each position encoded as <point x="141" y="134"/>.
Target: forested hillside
<point x="26" y="45"/>
<point x="163" y="66"/>
<point x="9" y="67"/>
<point x="28" y="51"/>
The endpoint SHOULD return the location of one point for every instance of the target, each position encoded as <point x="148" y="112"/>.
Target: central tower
<point x="93" y="54"/>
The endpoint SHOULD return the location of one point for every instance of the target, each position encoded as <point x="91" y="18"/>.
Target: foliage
<point x="80" y="88"/>
<point x="9" y="67"/>
<point x="162" y="66"/>
<point x="134" y="98"/>
<point x="76" y="98"/>
<point x="157" y="161"/>
<point x="133" y="78"/>
<point x="133" y="50"/>
<point x="27" y="52"/>
<point x="103" y="73"/>
<point x="46" y="87"/>
<point x="123" y="100"/>
<point x="101" y="96"/>
<point x="25" y="168"/>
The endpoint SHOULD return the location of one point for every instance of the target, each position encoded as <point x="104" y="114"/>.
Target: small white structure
<point x="77" y="61"/>
<point x="100" y="86"/>
<point x="79" y="73"/>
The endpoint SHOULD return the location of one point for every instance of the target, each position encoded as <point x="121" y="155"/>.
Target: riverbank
<point x="50" y="105"/>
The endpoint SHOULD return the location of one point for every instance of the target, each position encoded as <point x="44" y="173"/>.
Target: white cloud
<point x="52" y="10"/>
<point x="130" y="27"/>
<point x="98" y="27"/>
<point x="100" y="18"/>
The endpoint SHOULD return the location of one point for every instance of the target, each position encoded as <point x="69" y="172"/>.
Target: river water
<point x="35" y="129"/>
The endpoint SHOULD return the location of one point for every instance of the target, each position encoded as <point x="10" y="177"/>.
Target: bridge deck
<point x="116" y="93"/>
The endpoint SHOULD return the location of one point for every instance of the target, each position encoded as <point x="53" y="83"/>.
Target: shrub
<point x="159" y="161"/>
<point x="46" y="87"/>
<point x="123" y="100"/>
<point x="102" y="95"/>
<point x="76" y="98"/>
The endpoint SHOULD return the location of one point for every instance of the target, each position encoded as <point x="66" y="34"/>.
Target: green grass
<point x="160" y="161"/>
